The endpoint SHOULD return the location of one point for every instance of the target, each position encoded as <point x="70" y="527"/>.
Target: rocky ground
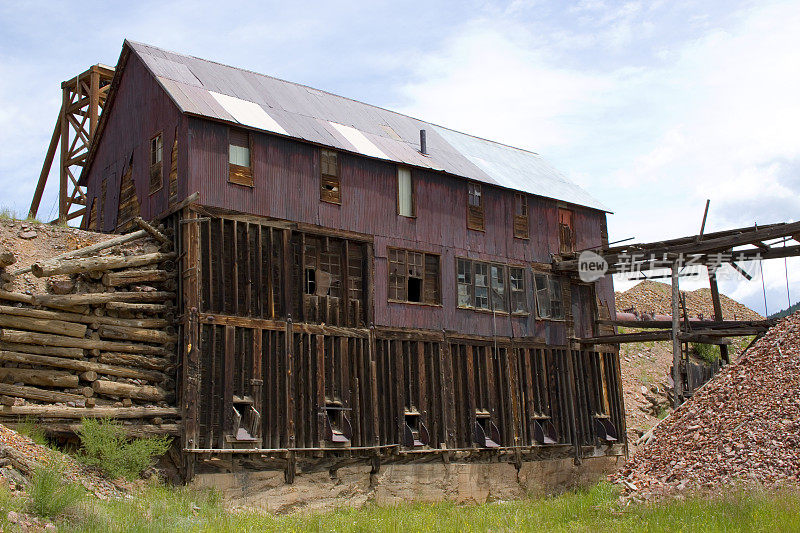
<point x="19" y="458"/>
<point x="654" y="297"/>
<point x="33" y="241"/>
<point x="741" y="427"/>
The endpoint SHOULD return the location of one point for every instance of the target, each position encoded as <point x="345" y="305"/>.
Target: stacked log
<point x="104" y="349"/>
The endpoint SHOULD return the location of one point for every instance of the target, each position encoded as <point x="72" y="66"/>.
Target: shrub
<point x="105" y="445"/>
<point x="49" y="495"/>
<point x="707" y="352"/>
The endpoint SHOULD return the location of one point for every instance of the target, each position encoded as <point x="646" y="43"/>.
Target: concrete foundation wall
<point x="400" y="483"/>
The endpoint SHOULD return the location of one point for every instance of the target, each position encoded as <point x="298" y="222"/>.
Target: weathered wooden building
<point x="356" y="281"/>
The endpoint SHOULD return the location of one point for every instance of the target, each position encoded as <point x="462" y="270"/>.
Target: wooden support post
<point x="48" y="163"/>
<point x="712" y="282"/>
<point x="676" y="342"/>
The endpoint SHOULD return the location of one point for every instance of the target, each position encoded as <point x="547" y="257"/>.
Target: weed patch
<point x="105" y="445"/>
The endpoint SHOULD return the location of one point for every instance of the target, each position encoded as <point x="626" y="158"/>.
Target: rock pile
<point x="655" y="298"/>
<point x="743" y="426"/>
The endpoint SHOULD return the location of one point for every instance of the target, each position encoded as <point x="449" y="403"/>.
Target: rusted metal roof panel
<point x="269" y="104"/>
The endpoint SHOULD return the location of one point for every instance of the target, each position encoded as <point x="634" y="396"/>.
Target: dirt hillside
<point x="654" y="297"/>
<point x="742" y="427"/>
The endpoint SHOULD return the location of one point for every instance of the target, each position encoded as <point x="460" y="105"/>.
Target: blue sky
<point x="651" y="106"/>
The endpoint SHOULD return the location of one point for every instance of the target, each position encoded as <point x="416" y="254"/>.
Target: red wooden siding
<point x="141" y="109"/>
<point x="286" y="178"/>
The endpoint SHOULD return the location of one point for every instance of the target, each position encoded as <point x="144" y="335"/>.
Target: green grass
<point x="32" y="430"/>
<point x="6" y="213"/>
<point x="163" y="509"/>
<point x="49" y="494"/>
<point x="707" y="352"/>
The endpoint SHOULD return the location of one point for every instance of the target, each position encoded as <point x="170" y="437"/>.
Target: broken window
<point x="548" y="297"/>
<point x="405" y="193"/>
<point x="240" y="169"/>
<point x="413" y="277"/>
<point x="566" y="230"/>
<point x="481" y="271"/>
<point x="486" y="286"/>
<point x="475" y="207"/>
<point x="173" y="170"/>
<point x="464" y="280"/>
<point x="519" y="301"/>
<point x="329" y="186"/>
<point x="499" y="293"/>
<point x="520" y="216"/>
<point x="156" y="163"/>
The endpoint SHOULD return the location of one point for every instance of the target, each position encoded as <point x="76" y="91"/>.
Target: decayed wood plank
<point x="34" y="393"/>
<point x="51" y="300"/>
<point x="137" y="308"/>
<point x="83" y="366"/>
<point x="94" y="264"/>
<point x="127" y="390"/>
<point x="37" y="376"/>
<point x="137" y="334"/>
<point x="122" y="239"/>
<point x="58" y="351"/>
<point x="157" y="235"/>
<point x="84" y="319"/>
<point x="56" y="327"/>
<point x="129" y="277"/>
<point x="140" y="361"/>
<point x="44" y="339"/>
<point x="57" y="411"/>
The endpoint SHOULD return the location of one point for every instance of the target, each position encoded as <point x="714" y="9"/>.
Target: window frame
<point x="524" y="291"/>
<point x="239" y="174"/>
<point x="325" y="195"/>
<point x="472" y="286"/>
<point x="158" y="165"/>
<point x="476" y="214"/>
<point x="413" y="193"/>
<point x="553" y="284"/>
<point x="424" y="255"/>
<point x="520" y="222"/>
<point x="566" y="247"/>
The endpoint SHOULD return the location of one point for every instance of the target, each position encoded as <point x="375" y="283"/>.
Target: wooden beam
<point x="48" y="164"/>
<point x="676" y="342"/>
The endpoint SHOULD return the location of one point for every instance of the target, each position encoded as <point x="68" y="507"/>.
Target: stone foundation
<point x="400" y="483"/>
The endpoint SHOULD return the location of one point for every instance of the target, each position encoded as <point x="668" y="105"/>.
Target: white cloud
<point x="714" y="116"/>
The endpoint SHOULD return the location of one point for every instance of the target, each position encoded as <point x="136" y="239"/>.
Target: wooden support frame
<point x="82" y="100"/>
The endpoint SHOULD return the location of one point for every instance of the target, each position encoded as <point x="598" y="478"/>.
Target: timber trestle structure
<point x="276" y="373"/>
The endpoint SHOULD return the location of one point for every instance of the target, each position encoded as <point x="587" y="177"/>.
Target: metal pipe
<point x="423" y="142"/>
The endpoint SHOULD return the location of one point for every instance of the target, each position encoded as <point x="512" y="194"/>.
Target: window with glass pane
<point x="239" y="169"/>
<point x="481" y="285"/>
<point x="475" y="195"/>
<point x="156" y="163"/>
<point x="519" y="303"/>
<point x="397" y="276"/>
<point x="405" y="193"/>
<point x="542" y="296"/>
<point x="556" y="306"/>
<point x="498" y="280"/>
<point x="464" y="281"/>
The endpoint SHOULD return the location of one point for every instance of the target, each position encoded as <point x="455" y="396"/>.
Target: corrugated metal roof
<point x="217" y="91"/>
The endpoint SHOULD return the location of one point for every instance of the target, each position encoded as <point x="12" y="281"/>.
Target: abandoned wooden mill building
<point x="356" y="284"/>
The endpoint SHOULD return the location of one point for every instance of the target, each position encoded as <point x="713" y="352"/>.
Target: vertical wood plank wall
<point x="307" y="379"/>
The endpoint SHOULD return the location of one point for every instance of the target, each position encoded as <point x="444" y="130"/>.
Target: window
<point x="474" y="207"/>
<point x="519" y="300"/>
<point x="329" y="187"/>
<point x="520" y="216"/>
<point x="156" y="163"/>
<point x="240" y="169"/>
<point x="548" y="297"/>
<point x="405" y="193"/>
<point x="486" y="286"/>
<point x="413" y="277"/>
<point x="566" y="231"/>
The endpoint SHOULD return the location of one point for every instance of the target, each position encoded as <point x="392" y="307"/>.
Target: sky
<point x="653" y="107"/>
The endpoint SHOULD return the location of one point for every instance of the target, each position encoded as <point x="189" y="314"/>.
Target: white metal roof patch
<point x="359" y="141"/>
<point x="248" y="113"/>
